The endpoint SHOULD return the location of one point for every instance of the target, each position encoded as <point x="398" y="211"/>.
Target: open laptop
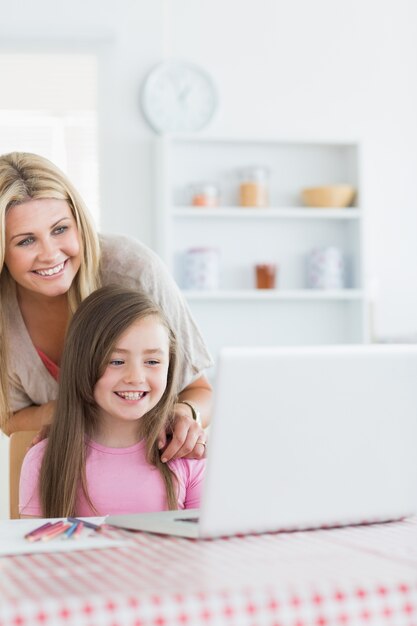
<point x="304" y="437"/>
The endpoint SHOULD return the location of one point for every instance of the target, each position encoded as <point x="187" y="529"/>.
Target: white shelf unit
<point x="275" y="294"/>
<point x="283" y="233"/>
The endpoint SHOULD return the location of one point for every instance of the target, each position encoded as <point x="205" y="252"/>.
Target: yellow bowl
<point x="328" y="196"/>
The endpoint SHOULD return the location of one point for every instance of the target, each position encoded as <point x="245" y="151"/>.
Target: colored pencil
<point x="56" y="532"/>
<point x="68" y="533"/>
<point x="46" y="530"/>
<point x="86" y="524"/>
<point x="33" y="533"/>
<point x="51" y="529"/>
<point x="77" y="532"/>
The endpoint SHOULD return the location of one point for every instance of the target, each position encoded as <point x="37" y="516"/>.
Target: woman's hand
<point x="46" y="416"/>
<point x="188" y="438"/>
<point x="42" y="434"/>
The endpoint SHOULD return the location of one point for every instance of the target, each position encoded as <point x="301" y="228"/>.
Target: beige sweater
<point x="124" y="262"/>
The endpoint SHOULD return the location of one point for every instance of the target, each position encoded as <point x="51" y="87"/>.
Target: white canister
<point x="201" y="269"/>
<point x="326" y="268"/>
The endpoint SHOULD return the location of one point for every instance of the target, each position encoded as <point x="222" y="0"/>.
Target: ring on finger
<point x="203" y="443"/>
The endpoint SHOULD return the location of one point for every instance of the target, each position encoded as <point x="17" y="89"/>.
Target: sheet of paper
<point x="12" y="538"/>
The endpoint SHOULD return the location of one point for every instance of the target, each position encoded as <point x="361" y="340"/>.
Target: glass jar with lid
<point x="253" y="188"/>
<point x="204" y="194"/>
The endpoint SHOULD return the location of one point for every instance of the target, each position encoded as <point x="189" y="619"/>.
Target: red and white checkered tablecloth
<point x="343" y="577"/>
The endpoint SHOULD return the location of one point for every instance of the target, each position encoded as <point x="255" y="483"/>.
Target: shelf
<point x="267" y="140"/>
<point x="276" y="294"/>
<point x="285" y="232"/>
<point x="237" y="212"/>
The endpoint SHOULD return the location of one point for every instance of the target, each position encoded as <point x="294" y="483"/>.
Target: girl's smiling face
<point x="43" y="249"/>
<point x="136" y="376"/>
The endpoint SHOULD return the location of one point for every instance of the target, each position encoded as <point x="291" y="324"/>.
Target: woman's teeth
<point x="52" y="271"/>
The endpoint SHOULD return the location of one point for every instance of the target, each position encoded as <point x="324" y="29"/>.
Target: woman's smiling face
<point x="43" y="249"/>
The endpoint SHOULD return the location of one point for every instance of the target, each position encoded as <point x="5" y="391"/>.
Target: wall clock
<point x="178" y="97"/>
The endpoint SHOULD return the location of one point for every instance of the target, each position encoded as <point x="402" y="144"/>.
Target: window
<point x="48" y="106"/>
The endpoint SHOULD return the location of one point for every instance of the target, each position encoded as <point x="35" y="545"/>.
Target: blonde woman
<point x="118" y="387"/>
<point x="50" y="260"/>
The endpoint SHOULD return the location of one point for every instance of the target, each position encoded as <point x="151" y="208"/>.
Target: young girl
<point x="118" y="384"/>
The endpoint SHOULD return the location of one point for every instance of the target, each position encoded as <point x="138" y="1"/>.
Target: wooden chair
<point x="19" y="443"/>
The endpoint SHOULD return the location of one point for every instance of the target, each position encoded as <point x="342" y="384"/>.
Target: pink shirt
<point x="52" y="367"/>
<point x="119" y="480"/>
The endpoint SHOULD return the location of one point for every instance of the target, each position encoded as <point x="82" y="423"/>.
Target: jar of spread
<point x="265" y="275"/>
<point x="253" y="189"/>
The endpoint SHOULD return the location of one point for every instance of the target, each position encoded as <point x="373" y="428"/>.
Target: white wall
<point x="327" y="69"/>
<point x="324" y="69"/>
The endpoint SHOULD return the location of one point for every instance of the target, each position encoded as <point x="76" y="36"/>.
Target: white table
<point x="363" y="576"/>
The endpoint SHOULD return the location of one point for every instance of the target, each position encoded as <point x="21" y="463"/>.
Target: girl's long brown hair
<point x="23" y="177"/>
<point x="93" y="332"/>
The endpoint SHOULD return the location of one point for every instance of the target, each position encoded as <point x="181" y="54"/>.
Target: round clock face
<point x="178" y="98"/>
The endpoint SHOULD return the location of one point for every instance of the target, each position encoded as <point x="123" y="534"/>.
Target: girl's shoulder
<point x="35" y="454"/>
<point x="190" y="475"/>
<point x="29" y="499"/>
<point x="188" y="469"/>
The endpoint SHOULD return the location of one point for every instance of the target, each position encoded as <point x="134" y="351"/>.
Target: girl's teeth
<point x="131" y="395"/>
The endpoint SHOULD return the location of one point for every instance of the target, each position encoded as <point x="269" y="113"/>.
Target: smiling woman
<point x="44" y="260"/>
<point x="51" y="260"/>
<point x="43" y="256"/>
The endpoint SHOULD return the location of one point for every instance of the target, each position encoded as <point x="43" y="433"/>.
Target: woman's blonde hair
<point x="24" y="177"/>
<point x="92" y="334"/>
